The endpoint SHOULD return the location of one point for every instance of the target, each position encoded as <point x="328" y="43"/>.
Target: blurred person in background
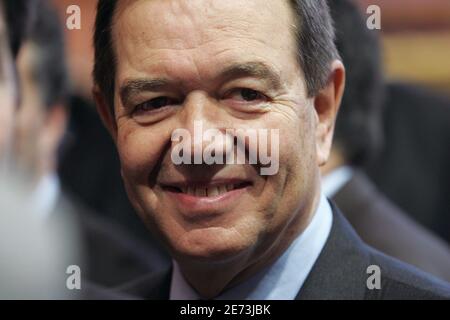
<point x="111" y="256"/>
<point x="33" y="256"/>
<point x="412" y="168"/>
<point x="358" y="139"/>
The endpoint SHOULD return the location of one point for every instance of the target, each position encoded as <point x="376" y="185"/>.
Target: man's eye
<point x="247" y="95"/>
<point x="156" y="103"/>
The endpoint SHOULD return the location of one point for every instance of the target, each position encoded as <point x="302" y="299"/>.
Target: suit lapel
<point x="340" y="270"/>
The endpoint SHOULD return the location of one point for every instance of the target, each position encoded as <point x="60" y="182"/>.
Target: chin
<point x="210" y="245"/>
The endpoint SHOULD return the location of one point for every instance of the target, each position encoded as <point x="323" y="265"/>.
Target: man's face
<point x="229" y="64"/>
<point x="7" y="90"/>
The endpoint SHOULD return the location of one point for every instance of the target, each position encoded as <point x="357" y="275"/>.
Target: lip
<point x="196" y="207"/>
<point x="204" y="184"/>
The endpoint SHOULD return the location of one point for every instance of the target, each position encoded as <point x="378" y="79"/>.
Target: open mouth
<point x="212" y="190"/>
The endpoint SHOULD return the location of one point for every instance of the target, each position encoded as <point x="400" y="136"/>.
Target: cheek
<point x="296" y="138"/>
<point x="139" y="149"/>
<point x="297" y="163"/>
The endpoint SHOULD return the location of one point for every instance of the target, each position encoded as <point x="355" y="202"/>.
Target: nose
<point x="202" y="129"/>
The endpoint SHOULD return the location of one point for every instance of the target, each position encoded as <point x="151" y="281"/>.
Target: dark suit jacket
<point x="339" y="273"/>
<point x="413" y="170"/>
<point x="382" y="225"/>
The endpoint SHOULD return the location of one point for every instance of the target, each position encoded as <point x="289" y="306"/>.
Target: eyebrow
<point x="239" y="70"/>
<point x="135" y="86"/>
<point x="252" y="69"/>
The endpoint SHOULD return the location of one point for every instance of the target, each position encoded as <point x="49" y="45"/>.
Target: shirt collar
<point x="283" y="279"/>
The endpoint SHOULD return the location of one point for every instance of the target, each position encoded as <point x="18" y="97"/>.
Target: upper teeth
<point x="207" y="191"/>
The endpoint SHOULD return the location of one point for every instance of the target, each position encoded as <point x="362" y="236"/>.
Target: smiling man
<point x="234" y="233"/>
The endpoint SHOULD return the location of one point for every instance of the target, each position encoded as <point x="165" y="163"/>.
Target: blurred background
<point x="415" y="36"/>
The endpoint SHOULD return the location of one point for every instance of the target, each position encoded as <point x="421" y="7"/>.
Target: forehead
<point x="175" y="16"/>
<point x="153" y="31"/>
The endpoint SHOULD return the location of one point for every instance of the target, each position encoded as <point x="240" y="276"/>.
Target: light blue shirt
<point x="283" y="279"/>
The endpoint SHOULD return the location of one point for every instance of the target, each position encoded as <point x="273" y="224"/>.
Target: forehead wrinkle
<point x="149" y="49"/>
<point x="176" y="20"/>
<point x="174" y="23"/>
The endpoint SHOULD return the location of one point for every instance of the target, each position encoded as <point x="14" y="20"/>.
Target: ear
<point x="105" y="112"/>
<point x="326" y="104"/>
